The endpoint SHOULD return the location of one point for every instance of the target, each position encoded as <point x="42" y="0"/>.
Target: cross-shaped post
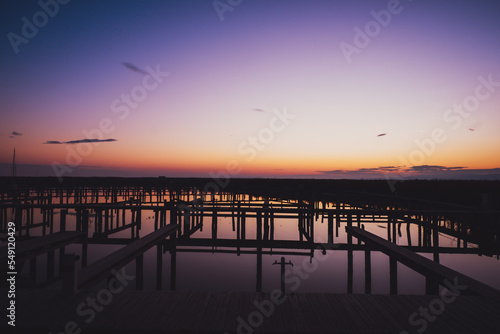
<point x="283" y="264"/>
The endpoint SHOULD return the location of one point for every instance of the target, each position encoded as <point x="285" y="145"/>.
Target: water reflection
<point x="230" y="241"/>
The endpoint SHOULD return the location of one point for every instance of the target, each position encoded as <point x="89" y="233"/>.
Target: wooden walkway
<point x="131" y="311"/>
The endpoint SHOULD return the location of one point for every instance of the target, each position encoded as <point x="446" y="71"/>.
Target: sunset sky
<point x="340" y="89"/>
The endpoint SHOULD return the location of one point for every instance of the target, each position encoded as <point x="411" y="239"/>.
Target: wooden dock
<point x="129" y="311"/>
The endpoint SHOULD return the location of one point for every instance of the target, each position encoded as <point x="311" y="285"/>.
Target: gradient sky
<point x="228" y="79"/>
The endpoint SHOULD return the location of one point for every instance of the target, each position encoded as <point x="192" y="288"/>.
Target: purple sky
<point x="224" y="86"/>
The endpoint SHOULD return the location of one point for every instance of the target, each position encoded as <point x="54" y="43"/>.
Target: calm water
<point x="210" y="259"/>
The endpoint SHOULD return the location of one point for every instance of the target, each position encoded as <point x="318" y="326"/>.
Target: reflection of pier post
<point x="337" y="219"/>
<point x="271" y="222"/>
<point x="311" y="222"/>
<point x="393" y="275"/>
<point x="62" y="228"/>
<point x="173" y="261"/>
<point x="408" y="234"/>
<point x="368" y="271"/>
<point x="214" y="226"/>
<point x="350" y="267"/>
<point x="330" y="227"/>
<point x="259" y="251"/>
<point x="85" y="230"/>
<point x="435" y="238"/>
<point x="266" y="220"/>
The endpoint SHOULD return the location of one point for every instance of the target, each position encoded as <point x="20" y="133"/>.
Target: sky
<point x="313" y="89"/>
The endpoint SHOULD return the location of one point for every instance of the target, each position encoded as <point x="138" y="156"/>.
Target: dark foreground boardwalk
<point x="44" y="311"/>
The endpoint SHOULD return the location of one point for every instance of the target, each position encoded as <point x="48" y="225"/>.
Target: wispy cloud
<point x="433" y="168"/>
<point x="80" y="141"/>
<point x="134" y="68"/>
<point x="417" y="172"/>
<point x="376" y="170"/>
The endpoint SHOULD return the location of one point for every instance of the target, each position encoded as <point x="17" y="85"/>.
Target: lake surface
<point x="220" y="247"/>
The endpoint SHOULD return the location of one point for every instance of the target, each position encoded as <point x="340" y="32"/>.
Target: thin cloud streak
<point x="79" y="141"/>
<point x="134" y="68"/>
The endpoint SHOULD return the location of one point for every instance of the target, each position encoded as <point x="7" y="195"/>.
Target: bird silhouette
<point x="381" y="135"/>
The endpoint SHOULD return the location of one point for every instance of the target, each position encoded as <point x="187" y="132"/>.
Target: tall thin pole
<point x="14" y="172"/>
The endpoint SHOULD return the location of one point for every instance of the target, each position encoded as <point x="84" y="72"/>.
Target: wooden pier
<point x="230" y="312"/>
<point x="100" y="213"/>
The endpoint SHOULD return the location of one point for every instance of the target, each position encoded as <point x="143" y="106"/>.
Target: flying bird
<point x="134" y="68"/>
<point x="381" y="135"/>
<point x="471" y="129"/>
<point x="259" y="110"/>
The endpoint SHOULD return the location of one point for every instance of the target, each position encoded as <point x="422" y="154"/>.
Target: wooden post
<point x="349" y="224"/>
<point x="258" y="287"/>
<point x="33" y="270"/>
<point x="282" y="264"/>
<point x="431" y="286"/>
<point x="156" y="212"/>
<point x="393" y="268"/>
<point x="50" y="265"/>
<point x="159" y="266"/>
<point x="173" y="261"/>
<point x="139" y="272"/>
<point x="368" y="271"/>
<point x="132" y="223"/>
<point x="69" y="274"/>
<point x="350" y="268"/>
<point x="330" y="227"/>
<point x="85" y="230"/>
<point x="62" y="224"/>
<point x="51" y="220"/>
<point x="435" y="239"/>
<point x="214" y="224"/>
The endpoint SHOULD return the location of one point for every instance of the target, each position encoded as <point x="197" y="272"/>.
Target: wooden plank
<point x="211" y="304"/>
<point x="101" y="269"/>
<point x="371" y="315"/>
<point x="191" y="319"/>
<point x="321" y="313"/>
<point x="188" y="312"/>
<point x="217" y="323"/>
<point x="180" y="306"/>
<point x="423" y="265"/>
<point x="312" y="320"/>
<point x="344" y="304"/>
<point x="230" y="323"/>
<point x="40" y="245"/>
<point x="287" y="316"/>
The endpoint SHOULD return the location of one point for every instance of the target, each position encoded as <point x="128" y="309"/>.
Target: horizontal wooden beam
<point x="422" y="265"/>
<point x="101" y="269"/>
<point x="40" y="245"/>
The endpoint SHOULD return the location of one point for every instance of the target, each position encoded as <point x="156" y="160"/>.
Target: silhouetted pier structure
<point x="220" y="312"/>
<point x="101" y="213"/>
